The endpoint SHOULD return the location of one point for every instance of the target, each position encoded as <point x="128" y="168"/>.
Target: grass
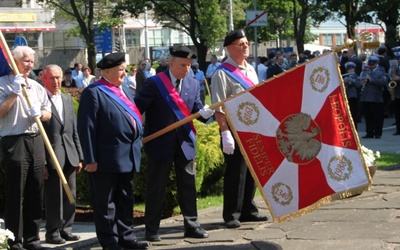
<point x="388" y="159"/>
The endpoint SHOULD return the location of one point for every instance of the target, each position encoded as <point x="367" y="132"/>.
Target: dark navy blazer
<point x="159" y="115"/>
<point x="107" y="136"/>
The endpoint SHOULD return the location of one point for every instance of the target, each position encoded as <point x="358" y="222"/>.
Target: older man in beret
<point x="372" y="98"/>
<point x="232" y="77"/>
<point x="166" y="98"/>
<point x="110" y="131"/>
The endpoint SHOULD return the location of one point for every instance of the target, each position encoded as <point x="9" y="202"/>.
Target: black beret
<point x="182" y="51"/>
<point x="233" y="35"/>
<point x="111" y="60"/>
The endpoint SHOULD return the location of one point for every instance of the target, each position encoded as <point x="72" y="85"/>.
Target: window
<point x="327" y="39"/>
<point x="132" y="38"/>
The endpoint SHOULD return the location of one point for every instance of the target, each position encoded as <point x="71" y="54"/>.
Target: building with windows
<point x="333" y="34"/>
<point x="140" y="37"/>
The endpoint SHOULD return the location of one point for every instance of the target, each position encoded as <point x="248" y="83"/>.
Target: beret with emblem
<point x="233" y="35"/>
<point x="182" y="51"/>
<point x="111" y="60"/>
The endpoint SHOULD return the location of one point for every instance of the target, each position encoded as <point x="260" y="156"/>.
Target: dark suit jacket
<point x="106" y="133"/>
<point x="63" y="137"/>
<point x="140" y="79"/>
<point x="274" y="70"/>
<point x="159" y="115"/>
<point x="358" y="63"/>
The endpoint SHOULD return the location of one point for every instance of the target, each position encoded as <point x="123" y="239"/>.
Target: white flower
<point x="369" y="155"/>
<point x="5" y="234"/>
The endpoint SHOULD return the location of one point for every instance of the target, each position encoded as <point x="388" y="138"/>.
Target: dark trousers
<point x="23" y="162"/>
<point x="239" y="188"/>
<point x="374" y="115"/>
<point x="396" y="111"/>
<point x="203" y="97"/>
<point x="353" y="104"/>
<point x="60" y="213"/>
<point x="157" y="179"/>
<point x="112" y="197"/>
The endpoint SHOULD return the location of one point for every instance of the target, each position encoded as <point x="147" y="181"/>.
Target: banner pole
<point x="39" y="124"/>
<point x="208" y="89"/>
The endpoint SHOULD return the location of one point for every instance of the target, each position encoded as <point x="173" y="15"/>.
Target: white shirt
<point x="58" y="104"/>
<point x="18" y="121"/>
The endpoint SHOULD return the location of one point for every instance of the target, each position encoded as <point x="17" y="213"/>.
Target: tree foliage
<point x="202" y="20"/>
<point x="347" y="10"/>
<point x="85" y="14"/>
<point x="387" y="12"/>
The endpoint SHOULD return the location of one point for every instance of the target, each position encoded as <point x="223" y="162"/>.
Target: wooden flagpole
<point x="178" y="124"/>
<point x="208" y="89"/>
<point x="39" y="124"/>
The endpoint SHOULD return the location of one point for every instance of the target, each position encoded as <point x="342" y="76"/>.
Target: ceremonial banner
<point x="5" y="68"/>
<point x="298" y="139"/>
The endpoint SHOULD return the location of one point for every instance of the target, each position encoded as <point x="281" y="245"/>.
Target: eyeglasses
<point x="242" y="44"/>
<point x="143" y="64"/>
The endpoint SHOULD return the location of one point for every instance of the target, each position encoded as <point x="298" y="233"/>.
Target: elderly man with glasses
<point x="232" y="77"/>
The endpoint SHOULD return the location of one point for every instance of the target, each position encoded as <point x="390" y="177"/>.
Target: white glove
<point x="35" y="110"/>
<point x="206" y="112"/>
<point x="228" y="144"/>
<point x="18" y="81"/>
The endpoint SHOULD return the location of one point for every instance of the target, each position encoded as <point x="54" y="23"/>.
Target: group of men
<point x="368" y="90"/>
<point x="28" y="167"/>
<point x="105" y="140"/>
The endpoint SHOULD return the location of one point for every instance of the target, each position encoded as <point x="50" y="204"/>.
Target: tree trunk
<point x="201" y="55"/>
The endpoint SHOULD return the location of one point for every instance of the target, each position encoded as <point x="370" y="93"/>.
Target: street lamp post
<point x="279" y="21"/>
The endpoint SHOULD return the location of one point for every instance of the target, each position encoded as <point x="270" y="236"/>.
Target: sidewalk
<point x="368" y="221"/>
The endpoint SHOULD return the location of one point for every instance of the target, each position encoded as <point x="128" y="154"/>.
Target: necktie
<point x="177" y="85"/>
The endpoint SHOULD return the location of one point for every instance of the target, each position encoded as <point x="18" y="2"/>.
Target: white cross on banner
<point x="296" y="135"/>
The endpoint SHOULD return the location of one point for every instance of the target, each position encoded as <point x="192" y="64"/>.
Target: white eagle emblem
<point x="297" y="136"/>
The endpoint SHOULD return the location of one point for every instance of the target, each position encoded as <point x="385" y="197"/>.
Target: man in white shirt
<point x="78" y="75"/>
<point x="212" y="66"/>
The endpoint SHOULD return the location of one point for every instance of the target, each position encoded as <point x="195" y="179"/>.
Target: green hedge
<point x="209" y="162"/>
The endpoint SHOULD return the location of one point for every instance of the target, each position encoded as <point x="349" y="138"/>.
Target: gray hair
<point x="19" y="51"/>
<point x="51" y="67"/>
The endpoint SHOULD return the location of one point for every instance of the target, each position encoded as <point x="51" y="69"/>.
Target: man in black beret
<point x="166" y="98"/>
<point x="239" y="186"/>
<point x="110" y="131"/>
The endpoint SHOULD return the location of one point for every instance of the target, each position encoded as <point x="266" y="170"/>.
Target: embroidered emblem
<point x="248" y="113"/>
<point x="282" y="193"/>
<point x="340" y="168"/>
<point x="299" y="138"/>
<point x="319" y="79"/>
